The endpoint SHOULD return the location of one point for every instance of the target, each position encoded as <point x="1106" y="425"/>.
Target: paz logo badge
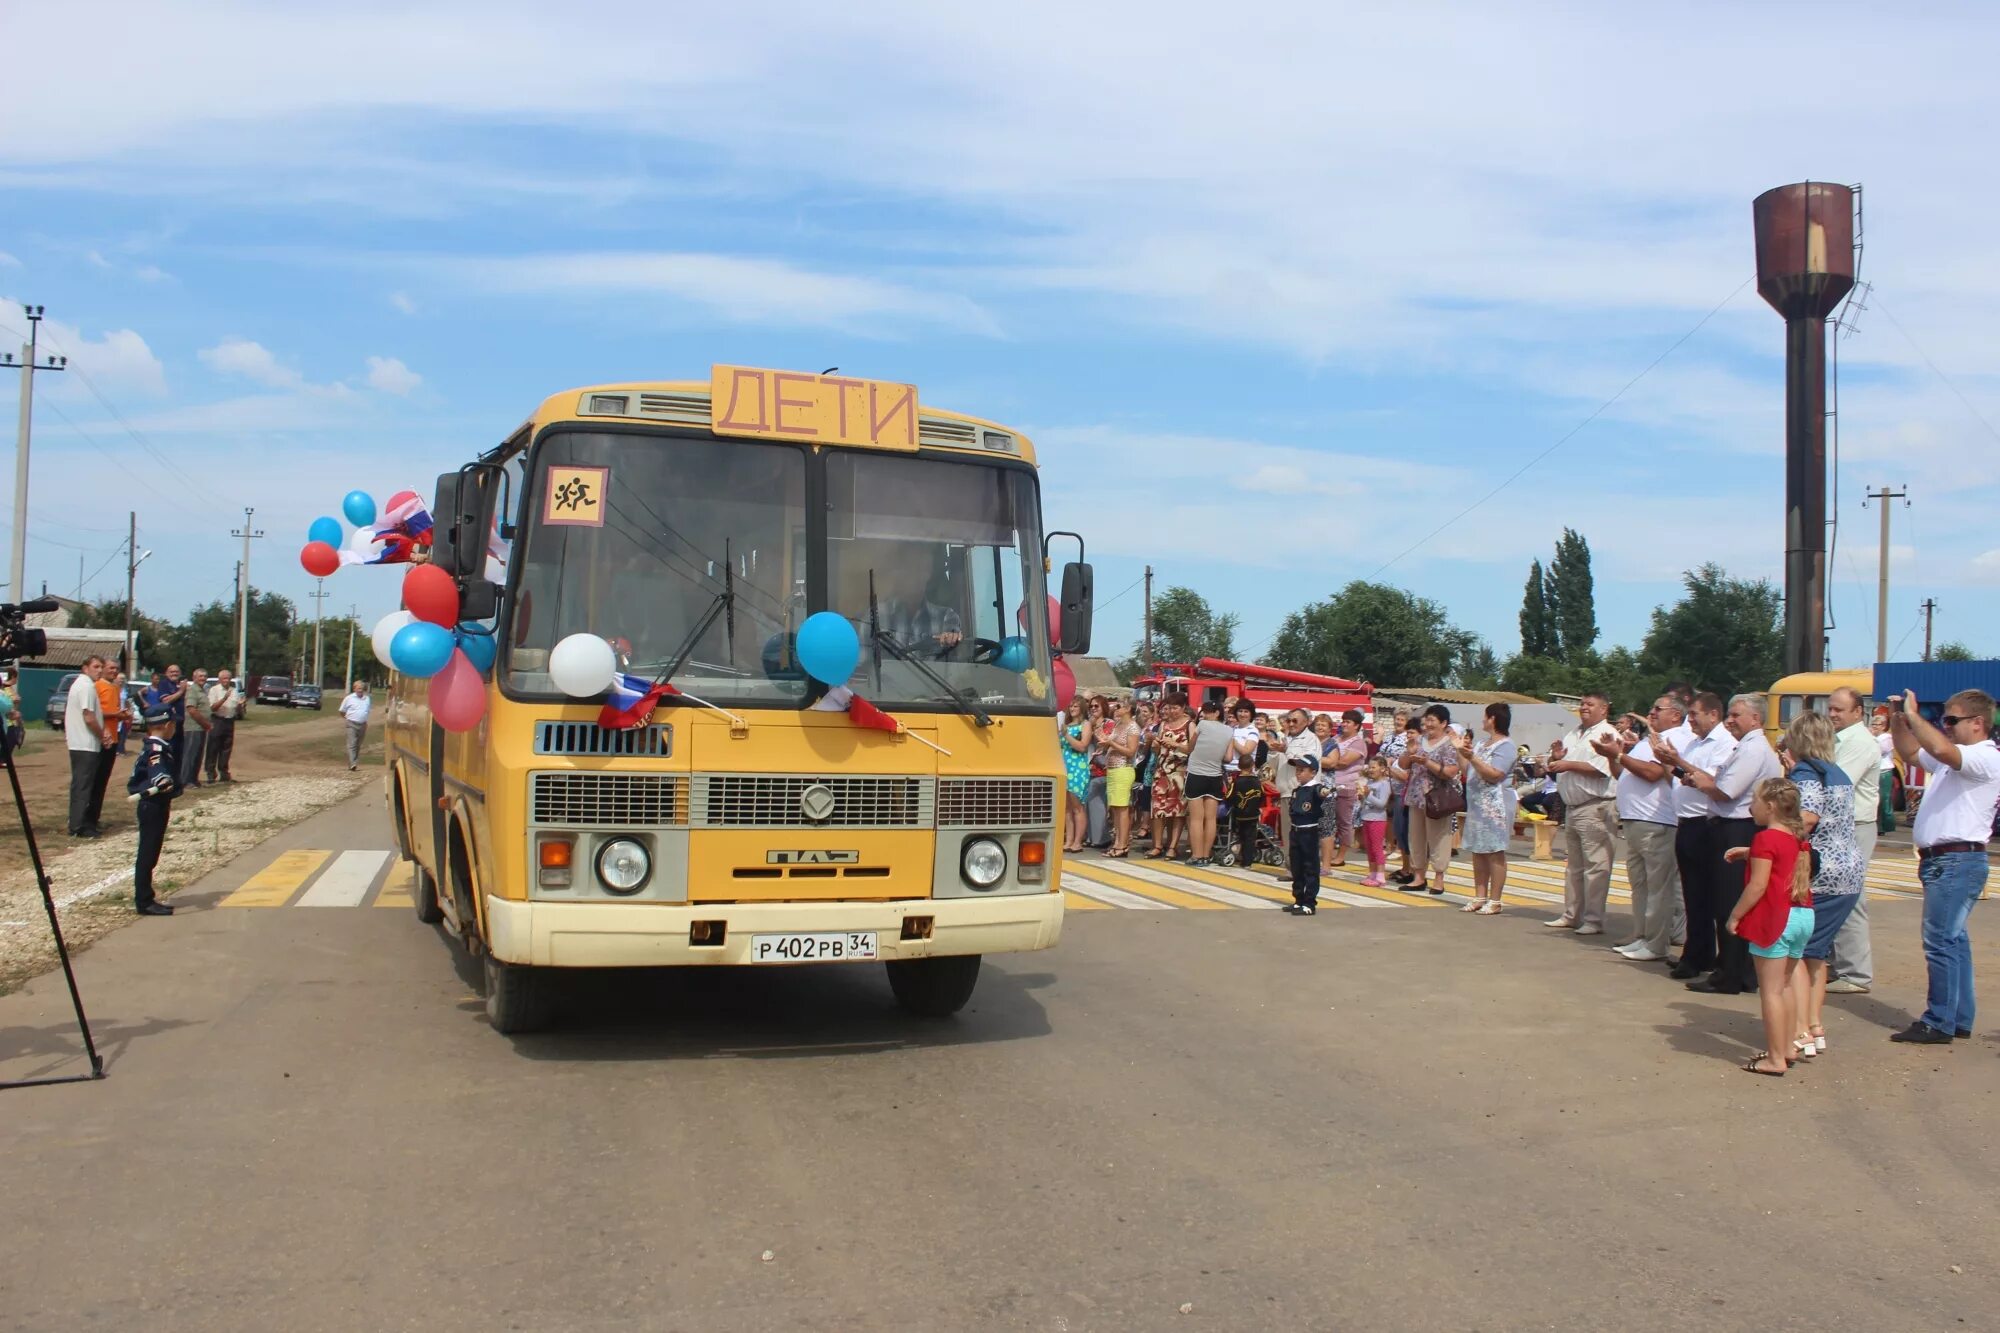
<point x="576" y="496"/>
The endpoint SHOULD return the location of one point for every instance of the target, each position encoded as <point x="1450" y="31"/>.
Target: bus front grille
<point x="609" y="800"/>
<point x="733" y="800"/>
<point x="587" y="738"/>
<point x="994" y="803"/>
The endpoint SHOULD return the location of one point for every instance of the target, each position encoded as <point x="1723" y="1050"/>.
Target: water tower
<point x="1805" y="266"/>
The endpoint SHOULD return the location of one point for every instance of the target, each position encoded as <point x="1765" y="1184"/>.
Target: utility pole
<point x="248" y="534"/>
<point x="319" y="596"/>
<point x="1882" y="592"/>
<point x="347" y="681"/>
<point x="1930" y="610"/>
<point x="133" y="559"/>
<point x="1149" y="618"/>
<point x="29" y="368"/>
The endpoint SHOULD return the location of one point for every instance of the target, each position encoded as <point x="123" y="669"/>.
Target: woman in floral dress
<point x="1489" y="807"/>
<point x="1077" y="741"/>
<point x="1170" y="749"/>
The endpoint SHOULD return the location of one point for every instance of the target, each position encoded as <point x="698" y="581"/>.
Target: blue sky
<point x="1277" y="302"/>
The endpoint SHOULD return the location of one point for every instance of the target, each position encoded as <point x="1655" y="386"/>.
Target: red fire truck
<point x="1272" y="689"/>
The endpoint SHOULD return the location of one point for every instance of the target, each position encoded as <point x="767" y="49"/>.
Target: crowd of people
<point x="1747" y="863"/>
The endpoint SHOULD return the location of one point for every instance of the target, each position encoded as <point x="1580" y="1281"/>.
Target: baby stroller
<point x="1266" y="846"/>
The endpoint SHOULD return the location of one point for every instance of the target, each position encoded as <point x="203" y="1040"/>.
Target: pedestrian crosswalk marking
<point x="309" y="877"/>
<point x="274" y="885"/>
<point x="346" y="882"/>
<point x="399" y="889"/>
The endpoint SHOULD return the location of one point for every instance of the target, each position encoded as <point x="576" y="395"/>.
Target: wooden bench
<point x="1544" y="834"/>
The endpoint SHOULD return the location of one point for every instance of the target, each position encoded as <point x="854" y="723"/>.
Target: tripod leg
<point x="55" y="928"/>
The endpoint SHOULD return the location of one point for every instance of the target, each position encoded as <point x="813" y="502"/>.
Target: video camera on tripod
<point x="16" y="639"/>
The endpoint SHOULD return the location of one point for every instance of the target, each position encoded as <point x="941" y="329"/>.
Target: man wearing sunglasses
<point x="1953" y="825"/>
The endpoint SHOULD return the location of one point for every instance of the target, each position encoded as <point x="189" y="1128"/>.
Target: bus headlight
<point x="983" y="862"/>
<point x="624" y="865"/>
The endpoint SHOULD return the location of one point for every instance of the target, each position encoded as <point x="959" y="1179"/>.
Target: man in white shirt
<point x="1852" y="968"/>
<point x="83" y="729"/>
<point x="355" y="707"/>
<point x="1729" y="791"/>
<point x="1590" y="817"/>
<point x="1954" y="823"/>
<point x="225" y="705"/>
<point x="1646" y="813"/>
<point x="1701" y="745"/>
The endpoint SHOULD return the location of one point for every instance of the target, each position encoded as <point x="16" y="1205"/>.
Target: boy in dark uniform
<point x="1306" y="803"/>
<point x="1245" y="801"/>
<point x="153" y="785"/>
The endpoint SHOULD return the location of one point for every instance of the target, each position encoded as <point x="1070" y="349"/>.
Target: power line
<point x="1128" y="588"/>
<point x="1934" y="369"/>
<point x="1571" y="434"/>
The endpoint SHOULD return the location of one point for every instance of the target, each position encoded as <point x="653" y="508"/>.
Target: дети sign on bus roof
<point x="822" y="409"/>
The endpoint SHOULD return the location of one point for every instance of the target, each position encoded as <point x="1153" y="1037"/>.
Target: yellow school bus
<point x="1806" y="691"/>
<point x="695" y="525"/>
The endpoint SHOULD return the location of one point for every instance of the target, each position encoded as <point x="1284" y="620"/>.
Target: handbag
<point x="1444" y="799"/>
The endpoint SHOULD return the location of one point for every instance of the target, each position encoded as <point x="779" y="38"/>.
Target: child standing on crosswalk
<point x="1375" y="820"/>
<point x="1307" y="804"/>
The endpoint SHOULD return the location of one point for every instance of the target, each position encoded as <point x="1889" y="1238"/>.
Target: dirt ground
<point x="288" y="765"/>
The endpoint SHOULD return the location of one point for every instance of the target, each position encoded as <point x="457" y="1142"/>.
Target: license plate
<point x="813" y="947"/>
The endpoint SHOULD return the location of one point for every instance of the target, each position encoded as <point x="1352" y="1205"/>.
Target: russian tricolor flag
<point x="631" y="701"/>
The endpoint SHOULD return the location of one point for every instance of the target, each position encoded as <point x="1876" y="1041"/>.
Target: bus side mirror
<point x="444" y="517"/>
<point x="479" y="599"/>
<point x="1078" y="590"/>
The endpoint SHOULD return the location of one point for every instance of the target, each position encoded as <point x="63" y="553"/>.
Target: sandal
<point x="1473" y="905"/>
<point x="1818" y="1039"/>
<point x="1491" y="907"/>
<point x="1750" y="1066"/>
<point x="1805" y="1048"/>
<point x="1119" y="852"/>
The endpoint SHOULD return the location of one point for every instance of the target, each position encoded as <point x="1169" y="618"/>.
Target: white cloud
<point x="97" y="260"/>
<point x="8" y="261"/>
<point x="119" y="360"/>
<point x="252" y="361"/>
<point x="402" y="302"/>
<point x="760" y="291"/>
<point x="386" y="374"/>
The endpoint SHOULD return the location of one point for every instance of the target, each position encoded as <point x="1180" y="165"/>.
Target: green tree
<point x="1373" y="632"/>
<point x="207" y="638"/>
<point x="1571" y="600"/>
<point x="1724" y="634"/>
<point x="1477" y="667"/>
<point x="109" y="613"/>
<point x="1185" y="629"/>
<point x="1538" y="626"/>
<point x="1953" y="652"/>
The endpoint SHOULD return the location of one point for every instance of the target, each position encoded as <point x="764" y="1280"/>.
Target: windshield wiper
<point x="724" y="600"/>
<point x="966" y="704"/>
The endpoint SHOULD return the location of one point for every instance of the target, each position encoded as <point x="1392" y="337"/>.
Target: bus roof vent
<point x="687" y="408"/>
<point x="605" y="405"/>
<point x="943" y="430"/>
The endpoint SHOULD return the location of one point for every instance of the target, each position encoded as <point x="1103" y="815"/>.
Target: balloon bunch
<point x="427" y="640"/>
<point x="402" y="528"/>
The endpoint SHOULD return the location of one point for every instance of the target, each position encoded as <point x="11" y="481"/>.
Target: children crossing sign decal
<point x="576" y="496"/>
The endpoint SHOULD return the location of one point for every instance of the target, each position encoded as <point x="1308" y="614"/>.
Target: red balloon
<point x="429" y="594"/>
<point x="457" y="694"/>
<point x="398" y="500"/>
<point x="1055" y="617"/>
<point x="1065" y="685"/>
<point x="319" y="559"/>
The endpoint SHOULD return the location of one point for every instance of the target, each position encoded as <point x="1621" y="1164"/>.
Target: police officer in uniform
<point x="154" y="784"/>
<point x="1305" y="805"/>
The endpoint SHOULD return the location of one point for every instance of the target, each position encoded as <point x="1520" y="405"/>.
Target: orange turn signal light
<point x="557" y="853"/>
<point x="1033" y="853"/>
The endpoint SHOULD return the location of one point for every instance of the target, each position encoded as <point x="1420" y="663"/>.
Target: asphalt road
<point x="1373" y="1119"/>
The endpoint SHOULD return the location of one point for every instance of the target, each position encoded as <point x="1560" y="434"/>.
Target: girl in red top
<point x="1775" y="915"/>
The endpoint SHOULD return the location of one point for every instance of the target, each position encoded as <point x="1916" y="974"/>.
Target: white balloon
<point x="583" y="665"/>
<point x="385" y="630"/>
<point x="362" y="540"/>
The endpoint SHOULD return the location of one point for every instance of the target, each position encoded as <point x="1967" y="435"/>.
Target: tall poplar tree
<point x="1571" y="601"/>
<point x="1538" y="626"/>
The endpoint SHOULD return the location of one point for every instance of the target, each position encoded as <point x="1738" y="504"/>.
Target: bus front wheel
<point x="516" y="997"/>
<point x="425" y="892"/>
<point x="934" y="987"/>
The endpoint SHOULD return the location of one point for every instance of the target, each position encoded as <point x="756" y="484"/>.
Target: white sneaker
<point x="1590" y="930"/>
<point x="1560" y="923"/>
<point x="1627" y="947"/>
<point x="1644" y="955"/>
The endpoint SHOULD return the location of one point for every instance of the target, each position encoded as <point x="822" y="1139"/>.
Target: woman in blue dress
<point x="1077" y="743"/>
<point x="1489" y="807"/>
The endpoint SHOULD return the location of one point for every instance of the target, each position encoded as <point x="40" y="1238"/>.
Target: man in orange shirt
<point x="111" y="708"/>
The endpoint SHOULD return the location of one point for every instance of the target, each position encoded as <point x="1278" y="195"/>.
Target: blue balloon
<point x="359" y="506"/>
<point x="327" y="530"/>
<point x="1013" y="654"/>
<point x="477" y="643"/>
<point x="421" y="649"/>
<point x="827" y="647"/>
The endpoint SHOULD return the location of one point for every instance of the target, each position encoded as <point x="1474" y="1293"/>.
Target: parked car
<point x="306" y="696"/>
<point x="275" y="690"/>
<point x="59" y="700"/>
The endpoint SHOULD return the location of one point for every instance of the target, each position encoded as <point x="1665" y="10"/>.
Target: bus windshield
<point x="942" y="560"/>
<point x="678" y="522"/>
<point x="929" y="559"/>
